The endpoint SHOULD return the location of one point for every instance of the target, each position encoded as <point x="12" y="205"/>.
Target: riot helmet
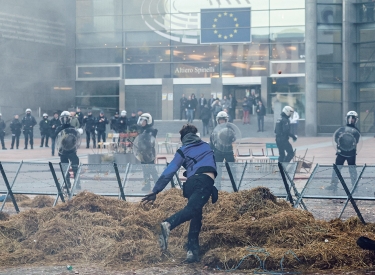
<point x="65" y="118"/>
<point x="28" y="111"/>
<point x="123" y="113"/>
<point x="351" y="115"/>
<point x="145" y="117"/>
<point x="221" y="115"/>
<point x="45" y="115"/>
<point x="288" y="111"/>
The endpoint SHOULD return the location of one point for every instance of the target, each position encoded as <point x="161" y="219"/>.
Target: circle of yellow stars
<point x="219" y="35"/>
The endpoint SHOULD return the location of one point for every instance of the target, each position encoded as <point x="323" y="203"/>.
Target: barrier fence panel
<point x="139" y="179"/>
<point x="5" y="184"/>
<point x="363" y="194"/>
<point x="251" y="175"/>
<point x="11" y="170"/>
<point x="323" y="194"/>
<point x="35" y="178"/>
<point x="100" y="179"/>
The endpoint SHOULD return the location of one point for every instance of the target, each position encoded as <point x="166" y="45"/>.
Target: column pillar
<point x="311" y="68"/>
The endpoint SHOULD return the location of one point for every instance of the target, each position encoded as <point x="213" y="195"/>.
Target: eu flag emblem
<point x="225" y="25"/>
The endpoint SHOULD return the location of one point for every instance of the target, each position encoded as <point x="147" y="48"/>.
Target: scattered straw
<point x="253" y="226"/>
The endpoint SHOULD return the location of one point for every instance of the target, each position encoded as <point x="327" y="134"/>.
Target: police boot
<point x="31" y="146"/>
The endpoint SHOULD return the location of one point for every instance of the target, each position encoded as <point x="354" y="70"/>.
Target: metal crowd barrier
<point x="340" y="192"/>
<point x="133" y="180"/>
<point x="331" y="191"/>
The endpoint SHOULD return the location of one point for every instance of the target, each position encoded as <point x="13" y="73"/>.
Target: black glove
<point x="149" y="198"/>
<point x="294" y="138"/>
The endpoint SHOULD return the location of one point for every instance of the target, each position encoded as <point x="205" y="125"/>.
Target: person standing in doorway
<point x="294" y="122"/>
<point x="261" y="112"/>
<point x="183" y="101"/>
<point x="245" y="111"/>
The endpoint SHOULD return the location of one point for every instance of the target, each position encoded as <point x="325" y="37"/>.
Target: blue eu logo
<point x="225" y="25"/>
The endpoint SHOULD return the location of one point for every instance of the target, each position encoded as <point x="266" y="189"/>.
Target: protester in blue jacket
<point x="197" y="158"/>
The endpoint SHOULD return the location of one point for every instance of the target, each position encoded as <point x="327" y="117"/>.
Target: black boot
<point x="192" y="256"/>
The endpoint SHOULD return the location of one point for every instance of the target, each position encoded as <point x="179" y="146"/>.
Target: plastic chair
<point x="270" y="152"/>
<point x="243" y="157"/>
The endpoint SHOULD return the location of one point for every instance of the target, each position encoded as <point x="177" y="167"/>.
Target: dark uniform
<point x="282" y="131"/>
<point x="346" y="139"/>
<point x="15" y="127"/>
<point x="113" y="123"/>
<point x="54" y="123"/>
<point x="28" y="123"/>
<point x="69" y="139"/>
<point x="44" y="128"/>
<point x="2" y="132"/>
<point x="146" y="149"/>
<point x="122" y="124"/>
<point x="79" y="116"/>
<point x="101" y="123"/>
<point x="132" y="123"/>
<point x="90" y="125"/>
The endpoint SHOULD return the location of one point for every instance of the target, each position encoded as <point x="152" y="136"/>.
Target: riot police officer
<point x="68" y="141"/>
<point x="90" y="124"/>
<point x="28" y="123"/>
<point x="224" y="150"/>
<point x="146" y="149"/>
<point x="44" y="128"/>
<point x="282" y="131"/>
<point x="122" y="122"/>
<point x="15" y="127"/>
<point x="2" y="132"/>
<point x="113" y="123"/>
<point x="346" y="139"/>
<point x="101" y="124"/>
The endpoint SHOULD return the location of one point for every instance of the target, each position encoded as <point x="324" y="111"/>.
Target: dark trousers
<point x="149" y="169"/>
<point x="46" y="137"/>
<point x="340" y="160"/>
<point x="53" y="142"/>
<point x="261" y="123"/>
<point x="101" y="135"/>
<point x="74" y="162"/>
<point x="284" y="146"/>
<point x="88" y="135"/>
<point x="15" y="138"/>
<point x="29" y="135"/>
<point x="197" y="189"/>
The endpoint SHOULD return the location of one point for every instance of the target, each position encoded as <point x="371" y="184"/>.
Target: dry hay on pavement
<point x="249" y="225"/>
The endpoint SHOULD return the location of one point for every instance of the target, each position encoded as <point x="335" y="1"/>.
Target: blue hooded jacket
<point x="194" y="155"/>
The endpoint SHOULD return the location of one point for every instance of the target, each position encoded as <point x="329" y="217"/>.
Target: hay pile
<point x="110" y="232"/>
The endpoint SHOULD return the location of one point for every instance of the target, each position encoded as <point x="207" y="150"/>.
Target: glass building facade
<point x="145" y="54"/>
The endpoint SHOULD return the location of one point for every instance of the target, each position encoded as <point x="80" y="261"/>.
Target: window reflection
<point x="99" y="56"/>
<point x="243" y="52"/>
<point x="287" y="34"/>
<point x="287" y="17"/>
<point x="157" y="70"/>
<point x="291" y="4"/>
<point x="288" y="51"/>
<point x="329" y="14"/>
<point x="329" y="53"/>
<point x="367" y="52"/>
<point x="239" y="69"/>
<point x="145" y="54"/>
<point x="329" y="73"/>
<point x="329" y="34"/>
<point x="99" y="24"/>
<point x="195" y="53"/>
<point x="100" y="39"/>
<point x="98" y="7"/>
<point x="145" y="39"/>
